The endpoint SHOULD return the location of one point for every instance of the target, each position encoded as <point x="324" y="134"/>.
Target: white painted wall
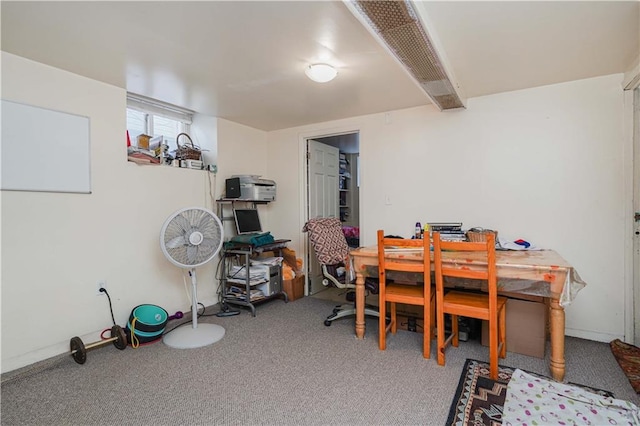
<point x="204" y="133"/>
<point x="56" y="247"/>
<point x="242" y="150"/>
<point x="544" y="164"/>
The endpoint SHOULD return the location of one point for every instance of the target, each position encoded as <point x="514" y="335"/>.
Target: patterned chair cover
<point x="327" y="240"/>
<point x="331" y="248"/>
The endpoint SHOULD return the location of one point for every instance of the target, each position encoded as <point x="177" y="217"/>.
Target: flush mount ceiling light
<point x="321" y="73"/>
<point x="398" y="26"/>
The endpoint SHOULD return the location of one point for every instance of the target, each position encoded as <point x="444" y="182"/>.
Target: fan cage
<point x="191" y="237"/>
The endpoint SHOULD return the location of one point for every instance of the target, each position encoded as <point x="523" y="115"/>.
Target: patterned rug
<point x="479" y="400"/>
<point x="628" y="357"/>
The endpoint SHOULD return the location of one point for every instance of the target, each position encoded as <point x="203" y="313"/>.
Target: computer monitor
<point x="247" y="221"/>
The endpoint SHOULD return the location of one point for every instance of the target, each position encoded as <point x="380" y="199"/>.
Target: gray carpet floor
<point x="282" y="367"/>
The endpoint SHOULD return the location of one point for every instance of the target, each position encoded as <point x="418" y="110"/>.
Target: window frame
<point x="152" y="108"/>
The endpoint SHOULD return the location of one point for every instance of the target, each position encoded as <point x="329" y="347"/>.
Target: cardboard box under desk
<point x="526" y="328"/>
<point x="294" y="288"/>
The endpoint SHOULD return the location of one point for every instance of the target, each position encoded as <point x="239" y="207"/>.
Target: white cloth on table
<point x="572" y="285"/>
<point x="532" y="400"/>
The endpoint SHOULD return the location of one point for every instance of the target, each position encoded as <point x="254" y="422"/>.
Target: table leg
<point x="359" y="305"/>
<point x="557" y="365"/>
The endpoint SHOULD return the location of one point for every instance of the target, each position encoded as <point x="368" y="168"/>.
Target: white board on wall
<point x="44" y="150"/>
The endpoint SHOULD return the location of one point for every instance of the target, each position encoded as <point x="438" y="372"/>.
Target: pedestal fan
<point x="190" y="238"/>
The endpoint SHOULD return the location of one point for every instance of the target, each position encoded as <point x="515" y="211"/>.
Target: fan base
<point x="187" y="337"/>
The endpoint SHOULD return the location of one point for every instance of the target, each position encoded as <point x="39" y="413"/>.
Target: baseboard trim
<point x="592" y="335"/>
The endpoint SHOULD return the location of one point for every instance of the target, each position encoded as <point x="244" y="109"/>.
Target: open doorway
<point x="333" y="190"/>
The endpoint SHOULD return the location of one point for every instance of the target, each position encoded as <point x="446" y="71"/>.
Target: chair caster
<point x="327" y="323"/>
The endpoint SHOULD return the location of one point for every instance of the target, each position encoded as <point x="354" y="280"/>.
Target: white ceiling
<point x="244" y="61"/>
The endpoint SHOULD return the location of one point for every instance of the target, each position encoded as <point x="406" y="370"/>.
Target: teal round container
<point x="149" y="319"/>
<point x="142" y="337"/>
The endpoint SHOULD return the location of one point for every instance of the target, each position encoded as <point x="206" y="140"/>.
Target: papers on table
<point x="518" y="244"/>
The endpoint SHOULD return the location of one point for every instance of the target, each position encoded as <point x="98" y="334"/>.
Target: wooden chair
<point x="420" y="295"/>
<point x="489" y="307"/>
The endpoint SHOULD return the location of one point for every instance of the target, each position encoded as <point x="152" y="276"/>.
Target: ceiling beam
<point x="403" y="28"/>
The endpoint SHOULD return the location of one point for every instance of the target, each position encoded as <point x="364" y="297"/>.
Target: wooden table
<point x="540" y="272"/>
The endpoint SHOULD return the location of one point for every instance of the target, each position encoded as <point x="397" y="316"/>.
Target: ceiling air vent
<point x="398" y="26"/>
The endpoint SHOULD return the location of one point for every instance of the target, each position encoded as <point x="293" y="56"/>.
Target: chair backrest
<point x="463" y="269"/>
<point x="327" y="239"/>
<point x="405" y="249"/>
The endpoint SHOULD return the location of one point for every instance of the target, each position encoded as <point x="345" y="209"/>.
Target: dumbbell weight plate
<point x="78" y="350"/>
<point x="121" y="337"/>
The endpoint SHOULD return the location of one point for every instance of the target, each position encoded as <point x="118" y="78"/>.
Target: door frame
<point x="322" y="200"/>
<point x="632" y="318"/>
<point x="303" y="174"/>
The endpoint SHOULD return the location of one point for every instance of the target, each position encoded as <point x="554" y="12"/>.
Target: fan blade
<point x="183" y="222"/>
<point x="208" y="243"/>
<point x="206" y="222"/>
<point x="192" y="254"/>
<point x="205" y="249"/>
<point x="176" y="242"/>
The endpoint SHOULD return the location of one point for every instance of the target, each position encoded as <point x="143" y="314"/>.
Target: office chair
<point x="331" y="248"/>
<point x="489" y="307"/>
<point x="392" y="293"/>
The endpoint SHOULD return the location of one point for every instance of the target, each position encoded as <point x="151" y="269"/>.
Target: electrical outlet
<point x="212" y="168"/>
<point x="101" y="284"/>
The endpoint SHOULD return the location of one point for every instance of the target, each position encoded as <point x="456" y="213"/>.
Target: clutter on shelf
<point x="188" y="151"/>
<point x="155" y="150"/>
<point x="141" y="156"/>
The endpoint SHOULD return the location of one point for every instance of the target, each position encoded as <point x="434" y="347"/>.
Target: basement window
<point x="146" y="116"/>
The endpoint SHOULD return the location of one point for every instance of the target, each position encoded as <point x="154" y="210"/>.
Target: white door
<point x="323" y="169"/>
